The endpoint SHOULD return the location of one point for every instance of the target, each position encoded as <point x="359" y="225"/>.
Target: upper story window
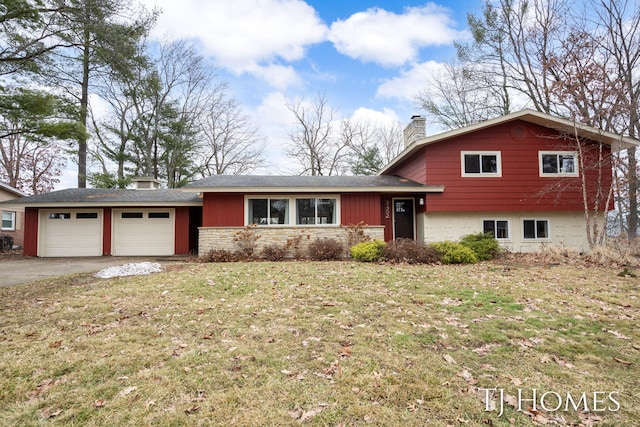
<point x="481" y="163"/>
<point x="8" y="221"/>
<point x="268" y="211"/>
<point x="558" y="163"/>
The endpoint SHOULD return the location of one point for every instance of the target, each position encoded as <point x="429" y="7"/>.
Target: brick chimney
<point x="415" y="130"/>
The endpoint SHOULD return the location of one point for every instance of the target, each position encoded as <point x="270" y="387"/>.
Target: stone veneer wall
<point x="222" y="237"/>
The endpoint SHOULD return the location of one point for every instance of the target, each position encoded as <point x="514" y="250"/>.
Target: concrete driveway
<point x="24" y="270"/>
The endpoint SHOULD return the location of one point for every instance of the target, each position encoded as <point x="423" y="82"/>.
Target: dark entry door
<point x="403" y="219"/>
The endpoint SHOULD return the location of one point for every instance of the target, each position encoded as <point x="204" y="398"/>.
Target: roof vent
<point x="146" y="183"/>
<point x="415" y="130"/>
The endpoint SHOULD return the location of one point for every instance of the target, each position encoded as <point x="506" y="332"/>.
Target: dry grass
<point x="337" y="343"/>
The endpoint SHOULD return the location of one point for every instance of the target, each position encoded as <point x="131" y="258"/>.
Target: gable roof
<point x="617" y="142"/>
<point x="12" y="190"/>
<point x="309" y="184"/>
<point x="92" y="197"/>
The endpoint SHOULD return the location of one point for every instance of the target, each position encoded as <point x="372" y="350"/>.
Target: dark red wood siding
<point x="363" y="207"/>
<point x="182" y="230"/>
<point x="30" y="246"/>
<point x="413" y="168"/>
<point x="222" y="210"/>
<point x="106" y="231"/>
<point x="519" y="189"/>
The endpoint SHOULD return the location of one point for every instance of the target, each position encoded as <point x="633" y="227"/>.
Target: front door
<point x="403" y="226"/>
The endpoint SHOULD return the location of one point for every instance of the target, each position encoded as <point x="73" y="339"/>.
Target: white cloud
<point x="410" y="82"/>
<point x="385" y="117"/>
<point x="243" y="36"/>
<point x="387" y="38"/>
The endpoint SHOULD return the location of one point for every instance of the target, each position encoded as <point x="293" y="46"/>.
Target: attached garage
<point x="142" y="231"/>
<point x="70" y="232"/>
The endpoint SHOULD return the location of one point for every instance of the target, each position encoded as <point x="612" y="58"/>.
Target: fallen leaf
<point x="636" y="346"/>
<point x="126" y="391"/>
<point x="99" y="403"/>
<point x="286" y="372"/>
<point x="50" y="412"/>
<point x="562" y="362"/>
<point x="449" y="359"/>
<point x="192" y="409"/>
<point x="516" y="381"/>
<point x="624" y="362"/>
<point x="55" y="344"/>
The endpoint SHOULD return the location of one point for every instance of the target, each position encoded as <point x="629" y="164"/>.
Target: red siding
<point x="182" y="230"/>
<point x="520" y="188"/>
<point x="106" y="231"/>
<point x="222" y="210"/>
<point x="356" y="208"/>
<point x="413" y="169"/>
<point x="30" y="247"/>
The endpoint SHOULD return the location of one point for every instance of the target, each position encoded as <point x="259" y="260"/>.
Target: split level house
<point x="517" y="177"/>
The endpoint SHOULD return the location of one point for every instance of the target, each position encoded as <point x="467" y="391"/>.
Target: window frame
<point x="495" y="225"/>
<point x="292" y="220"/>
<point x="544" y="174"/>
<point x="481" y="153"/>
<point x="268" y="198"/>
<point x="535" y="228"/>
<point x="12" y="216"/>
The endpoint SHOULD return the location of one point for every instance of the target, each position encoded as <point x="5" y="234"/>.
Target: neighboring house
<point x="12" y="216"/>
<point x="516" y="177"/>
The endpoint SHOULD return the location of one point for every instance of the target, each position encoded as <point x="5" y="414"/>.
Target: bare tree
<point x="314" y="143"/>
<point x="463" y="94"/>
<point x="371" y="145"/>
<point x="229" y="142"/>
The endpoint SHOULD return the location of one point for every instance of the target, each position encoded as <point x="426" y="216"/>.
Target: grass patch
<point x="326" y="343"/>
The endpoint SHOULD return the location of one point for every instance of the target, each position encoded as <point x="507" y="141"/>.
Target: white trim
<point x="481" y="174"/>
<point x="543" y="174"/>
<point x="13" y="221"/>
<point x="495" y="220"/>
<point x="536" y="220"/>
<point x="293" y="209"/>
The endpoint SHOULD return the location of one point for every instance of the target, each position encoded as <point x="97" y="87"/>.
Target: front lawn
<point x="324" y="343"/>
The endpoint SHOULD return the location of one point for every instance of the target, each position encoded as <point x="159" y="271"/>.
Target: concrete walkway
<point x="24" y="270"/>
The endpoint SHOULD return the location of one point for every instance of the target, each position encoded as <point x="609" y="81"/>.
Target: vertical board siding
<point x="520" y="187"/>
<point x="30" y="247"/>
<point x="181" y="230"/>
<point x="223" y="210"/>
<point x="107" y="221"/>
<point x="356" y="208"/>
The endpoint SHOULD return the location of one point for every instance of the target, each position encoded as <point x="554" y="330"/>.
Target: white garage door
<point x="69" y="232"/>
<point x="143" y="232"/>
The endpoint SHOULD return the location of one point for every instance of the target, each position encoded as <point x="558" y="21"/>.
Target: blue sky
<point x="369" y="58"/>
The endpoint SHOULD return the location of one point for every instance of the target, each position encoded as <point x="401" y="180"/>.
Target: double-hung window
<point x="268" y="211"/>
<point x="481" y="163"/>
<point x="316" y="211"/>
<point x="499" y="229"/>
<point x="558" y="163"/>
<point x="535" y="229"/>
<point x="8" y="221"/>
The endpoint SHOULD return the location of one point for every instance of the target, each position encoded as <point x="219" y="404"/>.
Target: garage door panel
<point x="144" y="232"/>
<point x="71" y="233"/>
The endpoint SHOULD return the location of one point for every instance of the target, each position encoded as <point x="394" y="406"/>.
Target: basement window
<point x="499" y="229"/>
<point x="535" y="229"/>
